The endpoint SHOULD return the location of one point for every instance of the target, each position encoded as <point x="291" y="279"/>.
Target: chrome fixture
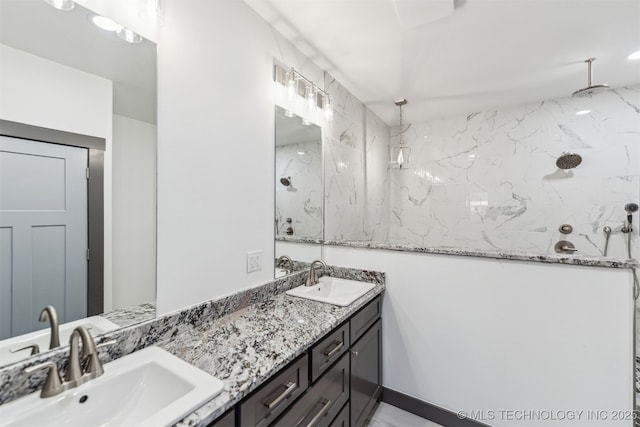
<point x="565" y="247"/>
<point x="566" y="229"/>
<point x="76" y="375"/>
<point x="286" y="181"/>
<point x="313" y="276"/>
<point x="630" y="208"/>
<point x="283" y="262"/>
<point x="607" y="233"/>
<point x="61" y="4"/>
<point x="568" y="161"/>
<point x="401" y="152"/>
<point x="35" y="349"/>
<point x="590" y="89"/>
<point x="299" y="86"/>
<point x="81" y="367"/>
<point x="49" y="313"/>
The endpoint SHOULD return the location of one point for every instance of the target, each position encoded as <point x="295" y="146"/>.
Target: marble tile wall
<point x="302" y="200"/>
<point x="489" y="180"/>
<point x="356" y="176"/>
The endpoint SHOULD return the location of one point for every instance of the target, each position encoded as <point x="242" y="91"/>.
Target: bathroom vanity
<point x="336" y="382"/>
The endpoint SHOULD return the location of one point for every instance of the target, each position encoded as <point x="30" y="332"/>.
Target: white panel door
<point x="43" y="233"/>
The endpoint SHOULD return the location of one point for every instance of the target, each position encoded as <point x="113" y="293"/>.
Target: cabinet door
<point x="366" y="374"/>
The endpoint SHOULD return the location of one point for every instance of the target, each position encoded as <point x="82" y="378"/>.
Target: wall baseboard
<point x="426" y="410"/>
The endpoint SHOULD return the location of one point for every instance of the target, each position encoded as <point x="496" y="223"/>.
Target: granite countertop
<point x="246" y="347"/>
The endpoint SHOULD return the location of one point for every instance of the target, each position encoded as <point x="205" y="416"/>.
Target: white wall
<point x="469" y="333"/>
<point x="44" y="93"/>
<point x="134" y="212"/>
<point x="216" y="147"/>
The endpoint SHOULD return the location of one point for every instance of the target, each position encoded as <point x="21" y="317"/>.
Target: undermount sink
<point x="332" y="290"/>
<point x="150" y="387"/>
<point x="96" y="325"/>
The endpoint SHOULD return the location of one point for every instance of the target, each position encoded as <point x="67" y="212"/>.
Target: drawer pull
<point x="290" y="387"/>
<point x="337" y="346"/>
<point x="326" y="404"/>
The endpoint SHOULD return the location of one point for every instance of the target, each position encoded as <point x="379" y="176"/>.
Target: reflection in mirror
<point x="298" y="190"/>
<point x="77" y="160"/>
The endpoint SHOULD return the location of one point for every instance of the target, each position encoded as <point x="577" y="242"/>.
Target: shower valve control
<point x="566" y="229"/>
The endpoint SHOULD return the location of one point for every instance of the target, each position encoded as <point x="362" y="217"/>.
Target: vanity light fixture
<point x="123" y="32"/>
<point x="306" y="122"/>
<point x="61" y="4"/>
<point x="298" y="85"/>
<point x="289" y="113"/>
<point x="401" y="152"/>
<point x="635" y="55"/>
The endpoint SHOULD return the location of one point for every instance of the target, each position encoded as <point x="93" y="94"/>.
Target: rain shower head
<point x="590" y="89"/>
<point x="286" y="181"/>
<point x="568" y="160"/>
<point x="631" y="208"/>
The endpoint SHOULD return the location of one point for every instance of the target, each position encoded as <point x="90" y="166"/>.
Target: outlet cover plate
<point x="254" y="261"/>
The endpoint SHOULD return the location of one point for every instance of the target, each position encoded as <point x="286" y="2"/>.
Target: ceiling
<point x="70" y="38"/>
<point x="486" y="54"/>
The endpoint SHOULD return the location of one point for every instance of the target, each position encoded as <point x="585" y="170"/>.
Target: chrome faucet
<point x="82" y="367"/>
<point x="313" y="276"/>
<point x="283" y="261"/>
<point x="49" y="313"/>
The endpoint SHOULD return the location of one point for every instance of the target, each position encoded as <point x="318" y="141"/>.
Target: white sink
<point x="150" y="387"/>
<point x="96" y="325"/>
<point x="332" y="290"/>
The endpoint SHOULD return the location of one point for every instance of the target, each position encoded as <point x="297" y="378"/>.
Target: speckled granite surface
<point x="240" y="338"/>
<point x="131" y="315"/>
<point x="546" y="258"/>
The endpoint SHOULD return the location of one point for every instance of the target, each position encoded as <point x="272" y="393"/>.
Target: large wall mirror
<point x="74" y="96"/>
<point x="298" y="191"/>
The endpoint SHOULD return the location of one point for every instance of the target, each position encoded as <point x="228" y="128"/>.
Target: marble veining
<point x="191" y="327"/>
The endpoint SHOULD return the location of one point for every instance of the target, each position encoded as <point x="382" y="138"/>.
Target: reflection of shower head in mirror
<point x="286" y="181"/>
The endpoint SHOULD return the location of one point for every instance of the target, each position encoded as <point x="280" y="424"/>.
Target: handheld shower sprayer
<point x="631" y="208"/>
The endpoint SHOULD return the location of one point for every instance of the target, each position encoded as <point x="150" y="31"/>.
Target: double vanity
<point x="263" y="357"/>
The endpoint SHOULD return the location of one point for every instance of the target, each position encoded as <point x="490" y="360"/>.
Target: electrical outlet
<point x="254" y="261"/>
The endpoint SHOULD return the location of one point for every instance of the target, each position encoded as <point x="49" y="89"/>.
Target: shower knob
<point x="565" y="247"/>
<point x="566" y="229"/>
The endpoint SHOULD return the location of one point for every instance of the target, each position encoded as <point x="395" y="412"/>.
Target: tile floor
<point x="390" y="416"/>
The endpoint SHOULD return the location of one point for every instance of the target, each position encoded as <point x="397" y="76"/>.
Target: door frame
<point x="95" y="197"/>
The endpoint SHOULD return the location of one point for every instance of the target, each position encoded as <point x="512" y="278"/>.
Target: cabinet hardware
<point x="326" y="404"/>
<point x="337" y="346"/>
<point x="290" y="387"/>
<point x="355" y="353"/>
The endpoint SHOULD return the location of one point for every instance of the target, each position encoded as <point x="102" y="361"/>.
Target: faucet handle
<point x="53" y="384"/>
<point x="35" y="349"/>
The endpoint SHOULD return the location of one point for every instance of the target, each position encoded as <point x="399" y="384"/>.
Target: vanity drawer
<point x="227" y="420"/>
<point x="329" y="350"/>
<point x="323" y="401"/>
<point x="342" y="420"/>
<point x="366" y="317"/>
<point x="276" y="395"/>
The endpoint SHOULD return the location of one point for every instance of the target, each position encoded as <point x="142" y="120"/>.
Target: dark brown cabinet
<point x="366" y="374"/>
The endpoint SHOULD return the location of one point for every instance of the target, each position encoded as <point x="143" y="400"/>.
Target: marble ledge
<point x="299" y="239"/>
<point x="131" y="315"/>
<point x="484" y="253"/>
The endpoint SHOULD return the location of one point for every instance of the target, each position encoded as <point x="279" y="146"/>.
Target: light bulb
<point x="291" y="86"/>
<point x="400" y="157"/>
<point x="129" y="36"/>
<point x="61" y="4"/>
<point x="306" y="122"/>
<point x="310" y="96"/>
<point x="105" y="23"/>
<point x="289" y="113"/>
<point x="635" y="55"/>
<point x="328" y="109"/>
